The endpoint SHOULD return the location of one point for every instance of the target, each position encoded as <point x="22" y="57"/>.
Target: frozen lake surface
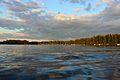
<point x="59" y="62"/>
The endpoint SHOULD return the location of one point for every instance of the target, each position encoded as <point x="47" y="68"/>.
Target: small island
<point x="99" y="40"/>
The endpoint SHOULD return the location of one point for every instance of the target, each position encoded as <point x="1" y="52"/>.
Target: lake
<point x="59" y="62"/>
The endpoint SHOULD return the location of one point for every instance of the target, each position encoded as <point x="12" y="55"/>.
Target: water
<point x="59" y="62"/>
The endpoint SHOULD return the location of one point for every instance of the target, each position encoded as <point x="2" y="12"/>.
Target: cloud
<point x="20" y="34"/>
<point x="71" y="1"/>
<point x="63" y="17"/>
<point x="35" y="10"/>
<point x="75" y="1"/>
<point x="18" y="0"/>
<point x="78" y="9"/>
<point x="52" y="12"/>
<point x="6" y="35"/>
<point x="17" y="8"/>
<point x="108" y="1"/>
<point x="89" y="7"/>
<point x="38" y="23"/>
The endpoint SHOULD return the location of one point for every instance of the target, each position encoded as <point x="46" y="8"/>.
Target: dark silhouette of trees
<point x="15" y="42"/>
<point x="109" y="39"/>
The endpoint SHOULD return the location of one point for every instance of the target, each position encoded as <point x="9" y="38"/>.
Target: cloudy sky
<point x="58" y="19"/>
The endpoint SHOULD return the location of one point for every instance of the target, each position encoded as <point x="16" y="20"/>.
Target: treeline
<point x="19" y="42"/>
<point x="109" y="39"/>
<point x="15" y="42"/>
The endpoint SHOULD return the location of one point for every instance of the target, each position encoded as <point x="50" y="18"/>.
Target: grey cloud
<point x="32" y="4"/>
<point x="10" y="24"/>
<point x="49" y="29"/>
<point x="5" y="35"/>
<point x="89" y="7"/>
<point x="20" y="6"/>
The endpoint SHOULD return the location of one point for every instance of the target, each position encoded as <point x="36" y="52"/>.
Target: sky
<point x="58" y="19"/>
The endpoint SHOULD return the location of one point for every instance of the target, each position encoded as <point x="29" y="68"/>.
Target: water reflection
<point x="59" y="62"/>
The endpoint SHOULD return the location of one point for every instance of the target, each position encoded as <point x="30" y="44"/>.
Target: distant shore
<point x="38" y="43"/>
<point x="99" y="40"/>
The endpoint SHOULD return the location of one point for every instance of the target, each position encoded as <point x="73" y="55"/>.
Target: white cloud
<point x="63" y="17"/>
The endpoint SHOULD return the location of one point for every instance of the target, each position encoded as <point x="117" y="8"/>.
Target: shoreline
<point x="98" y="40"/>
<point x="67" y="44"/>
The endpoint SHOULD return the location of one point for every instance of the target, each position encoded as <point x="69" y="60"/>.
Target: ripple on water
<point x="85" y="57"/>
<point x="59" y="63"/>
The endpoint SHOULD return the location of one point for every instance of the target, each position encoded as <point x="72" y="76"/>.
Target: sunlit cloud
<point x="118" y="7"/>
<point x="108" y="1"/>
<point x="20" y="34"/>
<point x="35" y="10"/>
<point x="18" y="0"/>
<point x="63" y="17"/>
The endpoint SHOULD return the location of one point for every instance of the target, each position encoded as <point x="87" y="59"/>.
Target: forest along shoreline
<point x="99" y="40"/>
